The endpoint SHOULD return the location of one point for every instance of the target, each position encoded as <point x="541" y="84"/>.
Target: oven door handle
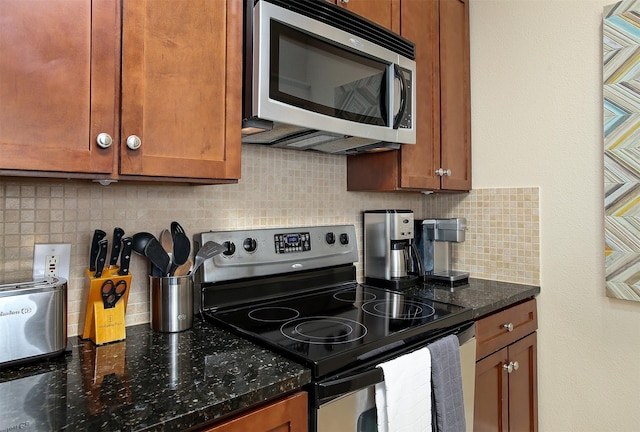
<point x="328" y="390"/>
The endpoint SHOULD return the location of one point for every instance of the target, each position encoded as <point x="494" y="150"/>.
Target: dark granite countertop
<point x="483" y="296"/>
<point x="173" y="381"/>
<point x="151" y="381"/>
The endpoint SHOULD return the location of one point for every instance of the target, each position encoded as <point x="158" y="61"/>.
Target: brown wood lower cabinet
<point x="285" y="415"/>
<point x="506" y="379"/>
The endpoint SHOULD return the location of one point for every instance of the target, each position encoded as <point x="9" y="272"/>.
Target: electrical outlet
<point x="51" y="265"/>
<point x="51" y="260"/>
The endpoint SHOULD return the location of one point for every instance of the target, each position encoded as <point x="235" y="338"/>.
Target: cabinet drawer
<point x="286" y="415"/>
<point x="503" y="328"/>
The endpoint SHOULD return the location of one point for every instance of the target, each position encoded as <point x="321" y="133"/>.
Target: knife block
<point x="103" y="325"/>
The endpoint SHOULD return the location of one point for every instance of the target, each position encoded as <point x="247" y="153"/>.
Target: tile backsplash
<point x="278" y="188"/>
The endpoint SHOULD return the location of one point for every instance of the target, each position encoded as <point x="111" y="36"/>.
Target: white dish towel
<point x="403" y="399"/>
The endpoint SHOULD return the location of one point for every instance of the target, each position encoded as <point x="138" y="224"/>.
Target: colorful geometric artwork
<point x="621" y="82"/>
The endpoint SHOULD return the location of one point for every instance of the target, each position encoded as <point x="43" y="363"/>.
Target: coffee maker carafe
<point x="391" y="259"/>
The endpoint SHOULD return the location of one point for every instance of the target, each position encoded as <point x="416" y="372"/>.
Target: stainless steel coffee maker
<point x="391" y="259"/>
<point x="435" y="239"/>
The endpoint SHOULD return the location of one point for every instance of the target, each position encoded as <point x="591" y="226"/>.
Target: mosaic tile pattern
<point x="621" y="82"/>
<point x="278" y="188"/>
<point x="502" y="241"/>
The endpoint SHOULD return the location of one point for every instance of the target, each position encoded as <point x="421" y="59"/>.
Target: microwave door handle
<point x="403" y="96"/>
<point x="332" y="389"/>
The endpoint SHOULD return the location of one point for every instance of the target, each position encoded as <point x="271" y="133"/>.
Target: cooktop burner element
<point x="324" y="330"/>
<point x="404" y="309"/>
<point x="273" y="314"/>
<point x="351" y="295"/>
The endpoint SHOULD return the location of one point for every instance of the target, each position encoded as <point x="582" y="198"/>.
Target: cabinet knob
<point x="344" y="1"/>
<point x="512" y="366"/>
<point x="508" y="326"/>
<point x="104" y="140"/>
<point x="134" y="142"/>
<point x="443" y="172"/>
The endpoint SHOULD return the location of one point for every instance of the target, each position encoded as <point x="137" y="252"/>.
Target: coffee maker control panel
<point x="401" y="227"/>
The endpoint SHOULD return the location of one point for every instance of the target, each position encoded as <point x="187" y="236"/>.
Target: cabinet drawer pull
<point x="104" y="140"/>
<point x="134" y="142"/>
<point x="508" y="326"/>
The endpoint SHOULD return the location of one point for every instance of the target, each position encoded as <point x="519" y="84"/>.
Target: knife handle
<point x="125" y="256"/>
<point x="102" y="257"/>
<point x="118" y="233"/>
<point x="95" y="247"/>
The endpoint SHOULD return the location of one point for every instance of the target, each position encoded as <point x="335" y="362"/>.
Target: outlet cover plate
<point x="40" y="253"/>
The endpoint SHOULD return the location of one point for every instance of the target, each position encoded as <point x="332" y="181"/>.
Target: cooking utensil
<point x="125" y="256"/>
<point x="146" y="244"/>
<point x="140" y="241"/>
<point x="206" y="251"/>
<point x="102" y="257"/>
<point x="118" y="233"/>
<point x="157" y="255"/>
<point x="183" y="269"/>
<point x="112" y="292"/>
<point x="181" y="246"/>
<point x="166" y="240"/>
<point x="95" y="247"/>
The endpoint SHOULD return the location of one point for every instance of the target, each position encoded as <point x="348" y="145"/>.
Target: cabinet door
<point x="59" y="61"/>
<point x="287" y="415"/>
<point x="418" y="163"/>
<point x="181" y="88"/>
<point x="455" y="94"/>
<point x="523" y="387"/>
<point x="383" y="12"/>
<point x="491" y="413"/>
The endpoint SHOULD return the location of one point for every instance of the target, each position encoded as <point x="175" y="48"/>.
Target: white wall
<point x="537" y="121"/>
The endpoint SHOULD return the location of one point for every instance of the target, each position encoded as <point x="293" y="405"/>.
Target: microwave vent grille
<point x="323" y="11"/>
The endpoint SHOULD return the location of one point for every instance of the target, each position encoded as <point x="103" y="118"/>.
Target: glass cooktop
<point x="333" y="328"/>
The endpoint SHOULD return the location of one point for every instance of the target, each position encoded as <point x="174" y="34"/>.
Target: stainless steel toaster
<point x="33" y="320"/>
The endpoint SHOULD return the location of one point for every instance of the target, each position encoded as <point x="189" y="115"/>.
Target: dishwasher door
<point x="468" y="371"/>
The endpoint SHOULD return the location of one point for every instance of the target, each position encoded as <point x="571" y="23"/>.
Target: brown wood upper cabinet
<point x="441" y="157"/>
<point x="121" y="89"/>
<point x="383" y="12"/>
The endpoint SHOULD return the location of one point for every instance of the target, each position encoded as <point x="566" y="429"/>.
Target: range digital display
<point x="292" y="242"/>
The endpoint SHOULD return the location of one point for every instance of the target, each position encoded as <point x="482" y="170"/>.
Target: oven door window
<point x="315" y="75"/>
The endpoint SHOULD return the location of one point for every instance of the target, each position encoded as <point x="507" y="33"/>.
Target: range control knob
<point x="330" y="237"/>
<point x="249" y="244"/>
<point x="344" y="239"/>
<point x="231" y="248"/>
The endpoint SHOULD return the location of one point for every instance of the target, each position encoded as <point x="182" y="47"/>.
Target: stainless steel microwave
<point x="319" y="77"/>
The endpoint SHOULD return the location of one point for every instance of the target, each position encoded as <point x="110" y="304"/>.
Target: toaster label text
<point x="23" y="311"/>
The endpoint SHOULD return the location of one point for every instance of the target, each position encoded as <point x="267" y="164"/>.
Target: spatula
<point x="207" y="250"/>
<point x="181" y="246"/>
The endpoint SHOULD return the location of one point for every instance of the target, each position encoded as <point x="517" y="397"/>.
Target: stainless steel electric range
<point x="294" y="290"/>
